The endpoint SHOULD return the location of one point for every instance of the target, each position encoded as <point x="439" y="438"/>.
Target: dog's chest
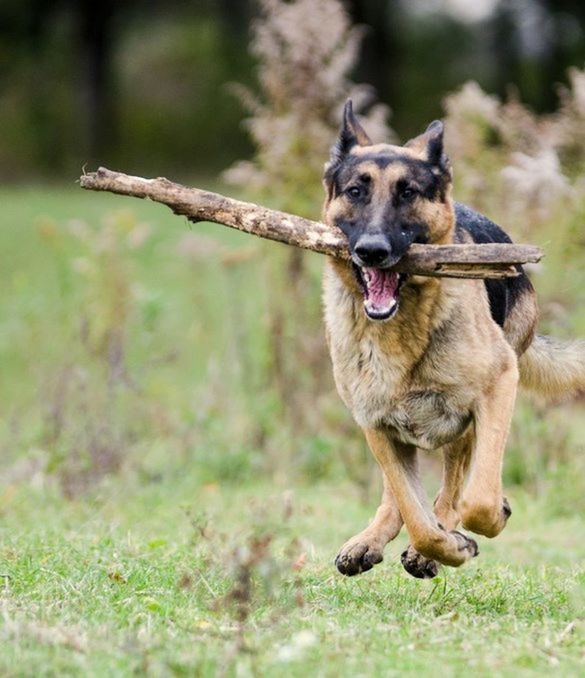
<point x="379" y="379"/>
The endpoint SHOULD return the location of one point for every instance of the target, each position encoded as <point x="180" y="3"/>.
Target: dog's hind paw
<point x="418" y="566"/>
<point x="486" y="519"/>
<point x="358" y="555"/>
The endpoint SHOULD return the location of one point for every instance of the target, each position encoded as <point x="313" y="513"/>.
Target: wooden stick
<point x="496" y="260"/>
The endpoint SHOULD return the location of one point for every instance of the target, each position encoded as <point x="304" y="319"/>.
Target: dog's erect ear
<point x="351" y="134"/>
<point x="429" y="145"/>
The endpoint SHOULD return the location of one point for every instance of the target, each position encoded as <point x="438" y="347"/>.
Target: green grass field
<point x="156" y="518"/>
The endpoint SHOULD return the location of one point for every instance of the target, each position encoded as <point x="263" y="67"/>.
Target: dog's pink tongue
<point x="382" y="286"/>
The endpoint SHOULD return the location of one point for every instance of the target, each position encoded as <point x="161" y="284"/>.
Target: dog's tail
<point x="553" y="369"/>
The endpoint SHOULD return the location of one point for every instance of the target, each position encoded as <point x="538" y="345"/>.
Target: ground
<point x="138" y="580"/>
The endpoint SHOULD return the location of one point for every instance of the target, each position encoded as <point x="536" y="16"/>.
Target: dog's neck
<point x="414" y="321"/>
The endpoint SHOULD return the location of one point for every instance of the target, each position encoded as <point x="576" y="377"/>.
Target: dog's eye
<point x="354" y="192"/>
<point x="407" y="194"/>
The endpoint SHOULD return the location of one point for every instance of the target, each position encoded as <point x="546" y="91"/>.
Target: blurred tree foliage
<point x="142" y="84"/>
<point x="128" y="82"/>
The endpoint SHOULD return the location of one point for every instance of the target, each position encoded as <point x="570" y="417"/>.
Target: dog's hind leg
<point x="483" y="507"/>
<point x="364" y="550"/>
<point x="456" y="459"/>
<point x="428" y="537"/>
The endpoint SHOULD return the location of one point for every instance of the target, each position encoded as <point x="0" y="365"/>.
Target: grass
<point x="153" y="522"/>
<point x="137" y="580"/>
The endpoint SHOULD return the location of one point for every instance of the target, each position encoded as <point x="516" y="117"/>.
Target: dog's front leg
<point x="483" y="507"/>
<point x="364" y="550"/>
<point x="456" y="459"/>
<point x="398" y="461"/>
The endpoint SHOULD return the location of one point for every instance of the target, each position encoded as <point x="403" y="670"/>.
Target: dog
<point x="427" y="363"/>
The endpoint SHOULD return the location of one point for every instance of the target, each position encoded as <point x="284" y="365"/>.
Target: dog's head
<point x="384" y="198"/>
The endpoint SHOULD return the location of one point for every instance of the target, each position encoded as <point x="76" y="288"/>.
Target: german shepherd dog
<point x="427" y="363"/>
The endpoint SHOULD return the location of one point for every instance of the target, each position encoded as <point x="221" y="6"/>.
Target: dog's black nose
<point x="372" y="250"/>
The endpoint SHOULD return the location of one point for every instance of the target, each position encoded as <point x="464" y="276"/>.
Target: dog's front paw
<point x="466" y="544"/>
<point x="359" y="554"/>
<point x="418" y="566"/>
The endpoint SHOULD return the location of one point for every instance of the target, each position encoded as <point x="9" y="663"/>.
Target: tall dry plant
<point x="305" y="50"/>
<point x="90" y="401"/>
<point x="513" y="164"/>
<point x="304" y="78"/>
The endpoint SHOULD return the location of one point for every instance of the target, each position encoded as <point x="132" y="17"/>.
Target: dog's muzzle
<point x="381" y="288"/>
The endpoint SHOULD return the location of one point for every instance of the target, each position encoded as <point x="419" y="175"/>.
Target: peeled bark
<point x="495" y="260"/>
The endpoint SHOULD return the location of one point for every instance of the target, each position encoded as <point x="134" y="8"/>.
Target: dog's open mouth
<point x="381" y="289"/>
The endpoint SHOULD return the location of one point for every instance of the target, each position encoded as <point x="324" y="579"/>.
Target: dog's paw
<point x="466" y="544"/>
<point x="418" y="566"/>
<point x="485" y="519"/>
<point x="359" y="554"/>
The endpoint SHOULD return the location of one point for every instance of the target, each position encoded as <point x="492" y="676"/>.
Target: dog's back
<point x="512" y="300"/>
<point x="549" y="367"/>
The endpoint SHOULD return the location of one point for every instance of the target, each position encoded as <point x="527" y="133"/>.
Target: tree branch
<point x="497" y="260"/>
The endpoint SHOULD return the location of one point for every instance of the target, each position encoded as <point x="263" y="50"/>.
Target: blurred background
<point x="136" y="346"/>
<point x="143" y="85"/>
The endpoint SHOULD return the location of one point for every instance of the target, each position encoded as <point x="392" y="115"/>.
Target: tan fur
<point x="520" y="324"/>
<point x="553" y="369"/>
<point x="427" y="537"/>
<point x="417" y="152"/>
<point x="379" y="366"/>
<point x="483" y="500"/>
<point x="457" y="458"/>
<point x="408" y="389"/>
<point x="368" y="545"/>
<point x="432" y="212"/>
